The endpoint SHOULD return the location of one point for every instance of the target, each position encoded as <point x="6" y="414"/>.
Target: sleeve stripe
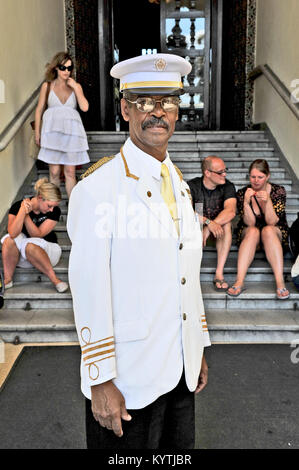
<point x="95" y="342"/>
<point x="97" y="347"/>
<point x="100" y="353"/>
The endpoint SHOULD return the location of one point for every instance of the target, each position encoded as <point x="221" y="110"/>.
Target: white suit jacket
<point x="135" y="283"/>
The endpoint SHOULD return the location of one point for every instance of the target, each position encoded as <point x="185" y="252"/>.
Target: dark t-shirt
<point x="38" y="219"/>
<point x="211" y="199"/>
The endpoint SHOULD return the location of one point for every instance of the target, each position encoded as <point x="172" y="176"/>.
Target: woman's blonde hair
<point x="48" y="191"/>
<point x="59" y="58"/>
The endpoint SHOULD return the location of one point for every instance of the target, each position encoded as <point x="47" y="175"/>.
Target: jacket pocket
<point x="130" y="331"/>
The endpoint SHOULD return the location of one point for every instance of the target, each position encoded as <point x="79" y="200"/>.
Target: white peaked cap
<point x="152" y="74"/>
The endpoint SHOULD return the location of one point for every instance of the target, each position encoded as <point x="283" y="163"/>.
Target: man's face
<point x="217" y="172"/>
<point x="150" y="131"/>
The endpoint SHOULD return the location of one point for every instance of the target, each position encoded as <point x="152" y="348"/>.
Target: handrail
<point x="277" y="84"/>
<point x="18" y="120"/>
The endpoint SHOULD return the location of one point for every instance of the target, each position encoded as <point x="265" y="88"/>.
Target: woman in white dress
<point x="58" y="129"/>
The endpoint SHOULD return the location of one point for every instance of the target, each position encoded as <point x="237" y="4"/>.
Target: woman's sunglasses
<point x="63" y="67"/>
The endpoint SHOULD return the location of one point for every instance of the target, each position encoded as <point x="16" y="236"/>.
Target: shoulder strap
<point x="96" y="165"/>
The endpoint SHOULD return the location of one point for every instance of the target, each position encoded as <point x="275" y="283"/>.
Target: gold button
<point x="184" y="316"/>
<point x="149" y="194"/>
<point x="183" y="194"/>
<point x="183" y="281"/>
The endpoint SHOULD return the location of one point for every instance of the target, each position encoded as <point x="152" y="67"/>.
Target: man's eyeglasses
<point x="219" y="172"/>
<point x="148" y="104"/>
<point x="63" y="67"/>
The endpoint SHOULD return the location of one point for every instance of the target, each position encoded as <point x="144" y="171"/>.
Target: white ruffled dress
<point x="63" y="138"/>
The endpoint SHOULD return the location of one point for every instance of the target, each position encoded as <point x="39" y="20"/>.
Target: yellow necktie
<point x="168" y="196"/>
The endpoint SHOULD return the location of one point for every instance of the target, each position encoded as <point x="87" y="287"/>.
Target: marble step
<point x="243" y="326"/>
<point x="31" y="326"/>
<point x="253" y="326"/>
<point x="97" y="152"/>
<point x="238" y="181"/>
<point x="259" y="270"/>
<point x="198" y="136"/>
<point x="258" y="295"/>
<point x="191" y="167"/>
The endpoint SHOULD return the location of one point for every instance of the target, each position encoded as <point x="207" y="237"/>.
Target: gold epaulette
<point x="95" y="166"/>
<point x="179" y="172"/>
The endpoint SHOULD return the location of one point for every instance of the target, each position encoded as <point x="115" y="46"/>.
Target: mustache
<point x="153" y="122"/>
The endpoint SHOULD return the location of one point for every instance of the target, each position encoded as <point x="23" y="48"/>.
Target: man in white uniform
<point x="134" y="274"/>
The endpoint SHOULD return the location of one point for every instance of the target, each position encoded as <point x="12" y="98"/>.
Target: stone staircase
<point x="33" y="311"/>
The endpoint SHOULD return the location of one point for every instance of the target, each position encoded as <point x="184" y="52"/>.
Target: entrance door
<point x="185" y="31"/>
<point x="181" y="27"/>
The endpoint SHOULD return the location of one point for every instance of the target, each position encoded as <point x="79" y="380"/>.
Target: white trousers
<point x="53" y="250"/>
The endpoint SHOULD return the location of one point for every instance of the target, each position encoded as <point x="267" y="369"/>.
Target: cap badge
<point x="160" y="65"/>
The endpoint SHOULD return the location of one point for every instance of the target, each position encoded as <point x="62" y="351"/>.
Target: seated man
<point x="218" y="198"/>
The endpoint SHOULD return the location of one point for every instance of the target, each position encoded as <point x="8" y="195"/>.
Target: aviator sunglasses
<point x="63" y="67"/>
<point x="148" y="104"/>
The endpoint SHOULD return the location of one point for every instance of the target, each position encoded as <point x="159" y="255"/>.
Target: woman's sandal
<point x="235" y="288"/>
<point x="221" y="282"/>
<point x="279" y="293"/>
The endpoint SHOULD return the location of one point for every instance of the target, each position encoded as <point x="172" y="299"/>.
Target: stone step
<point x="238" y="182"/>
<point x="258" y="295"/>
<point x="253" y="326"/>
<point x="32" y="296"/>
<point x="244" y="326"/>
<point x="200" y="136"/>
<point x="259" y="270"/>
<point x="46" y="325"/>
<point x="191" y="167"/>
<point x="98" y="151"/>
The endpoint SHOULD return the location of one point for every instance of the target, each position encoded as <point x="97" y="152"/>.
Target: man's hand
<point x="108" y="407"/>
<point x="215" y="229"/>
<point x="203" y="376"/>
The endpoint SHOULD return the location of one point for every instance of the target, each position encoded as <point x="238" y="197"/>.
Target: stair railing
<point x="18" y="120"/>
<point x="277" y="84"/>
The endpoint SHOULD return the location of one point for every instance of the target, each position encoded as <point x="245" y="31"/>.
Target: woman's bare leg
<point x="251" y="239"/>
<point x="70" y="178"/>
<point x="55" y="171"/>
<point x="271" y="237"/>
<point x="10" y="258"/>
<point x="40" y="260"/>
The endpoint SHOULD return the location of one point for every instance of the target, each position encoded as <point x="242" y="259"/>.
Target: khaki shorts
<point x="53" y="250"/>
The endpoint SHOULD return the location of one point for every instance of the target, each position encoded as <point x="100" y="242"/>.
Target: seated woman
<point x="30" y="240"/>
<point x="263" y="223"/>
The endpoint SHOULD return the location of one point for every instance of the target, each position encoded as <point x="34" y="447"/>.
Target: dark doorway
<point x="109" y="31"/>
<point x="136" y="27"/>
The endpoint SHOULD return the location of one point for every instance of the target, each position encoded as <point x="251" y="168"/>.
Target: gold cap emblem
<point x="160" y="65"/>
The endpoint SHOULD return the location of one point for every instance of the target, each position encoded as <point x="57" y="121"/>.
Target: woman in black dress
<point x="261" y="206"/>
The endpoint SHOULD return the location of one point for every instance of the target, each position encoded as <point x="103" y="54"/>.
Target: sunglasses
<point x="63" y="67"/>
<point x="220" y="172"/>
<point x="148" y="104"/>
